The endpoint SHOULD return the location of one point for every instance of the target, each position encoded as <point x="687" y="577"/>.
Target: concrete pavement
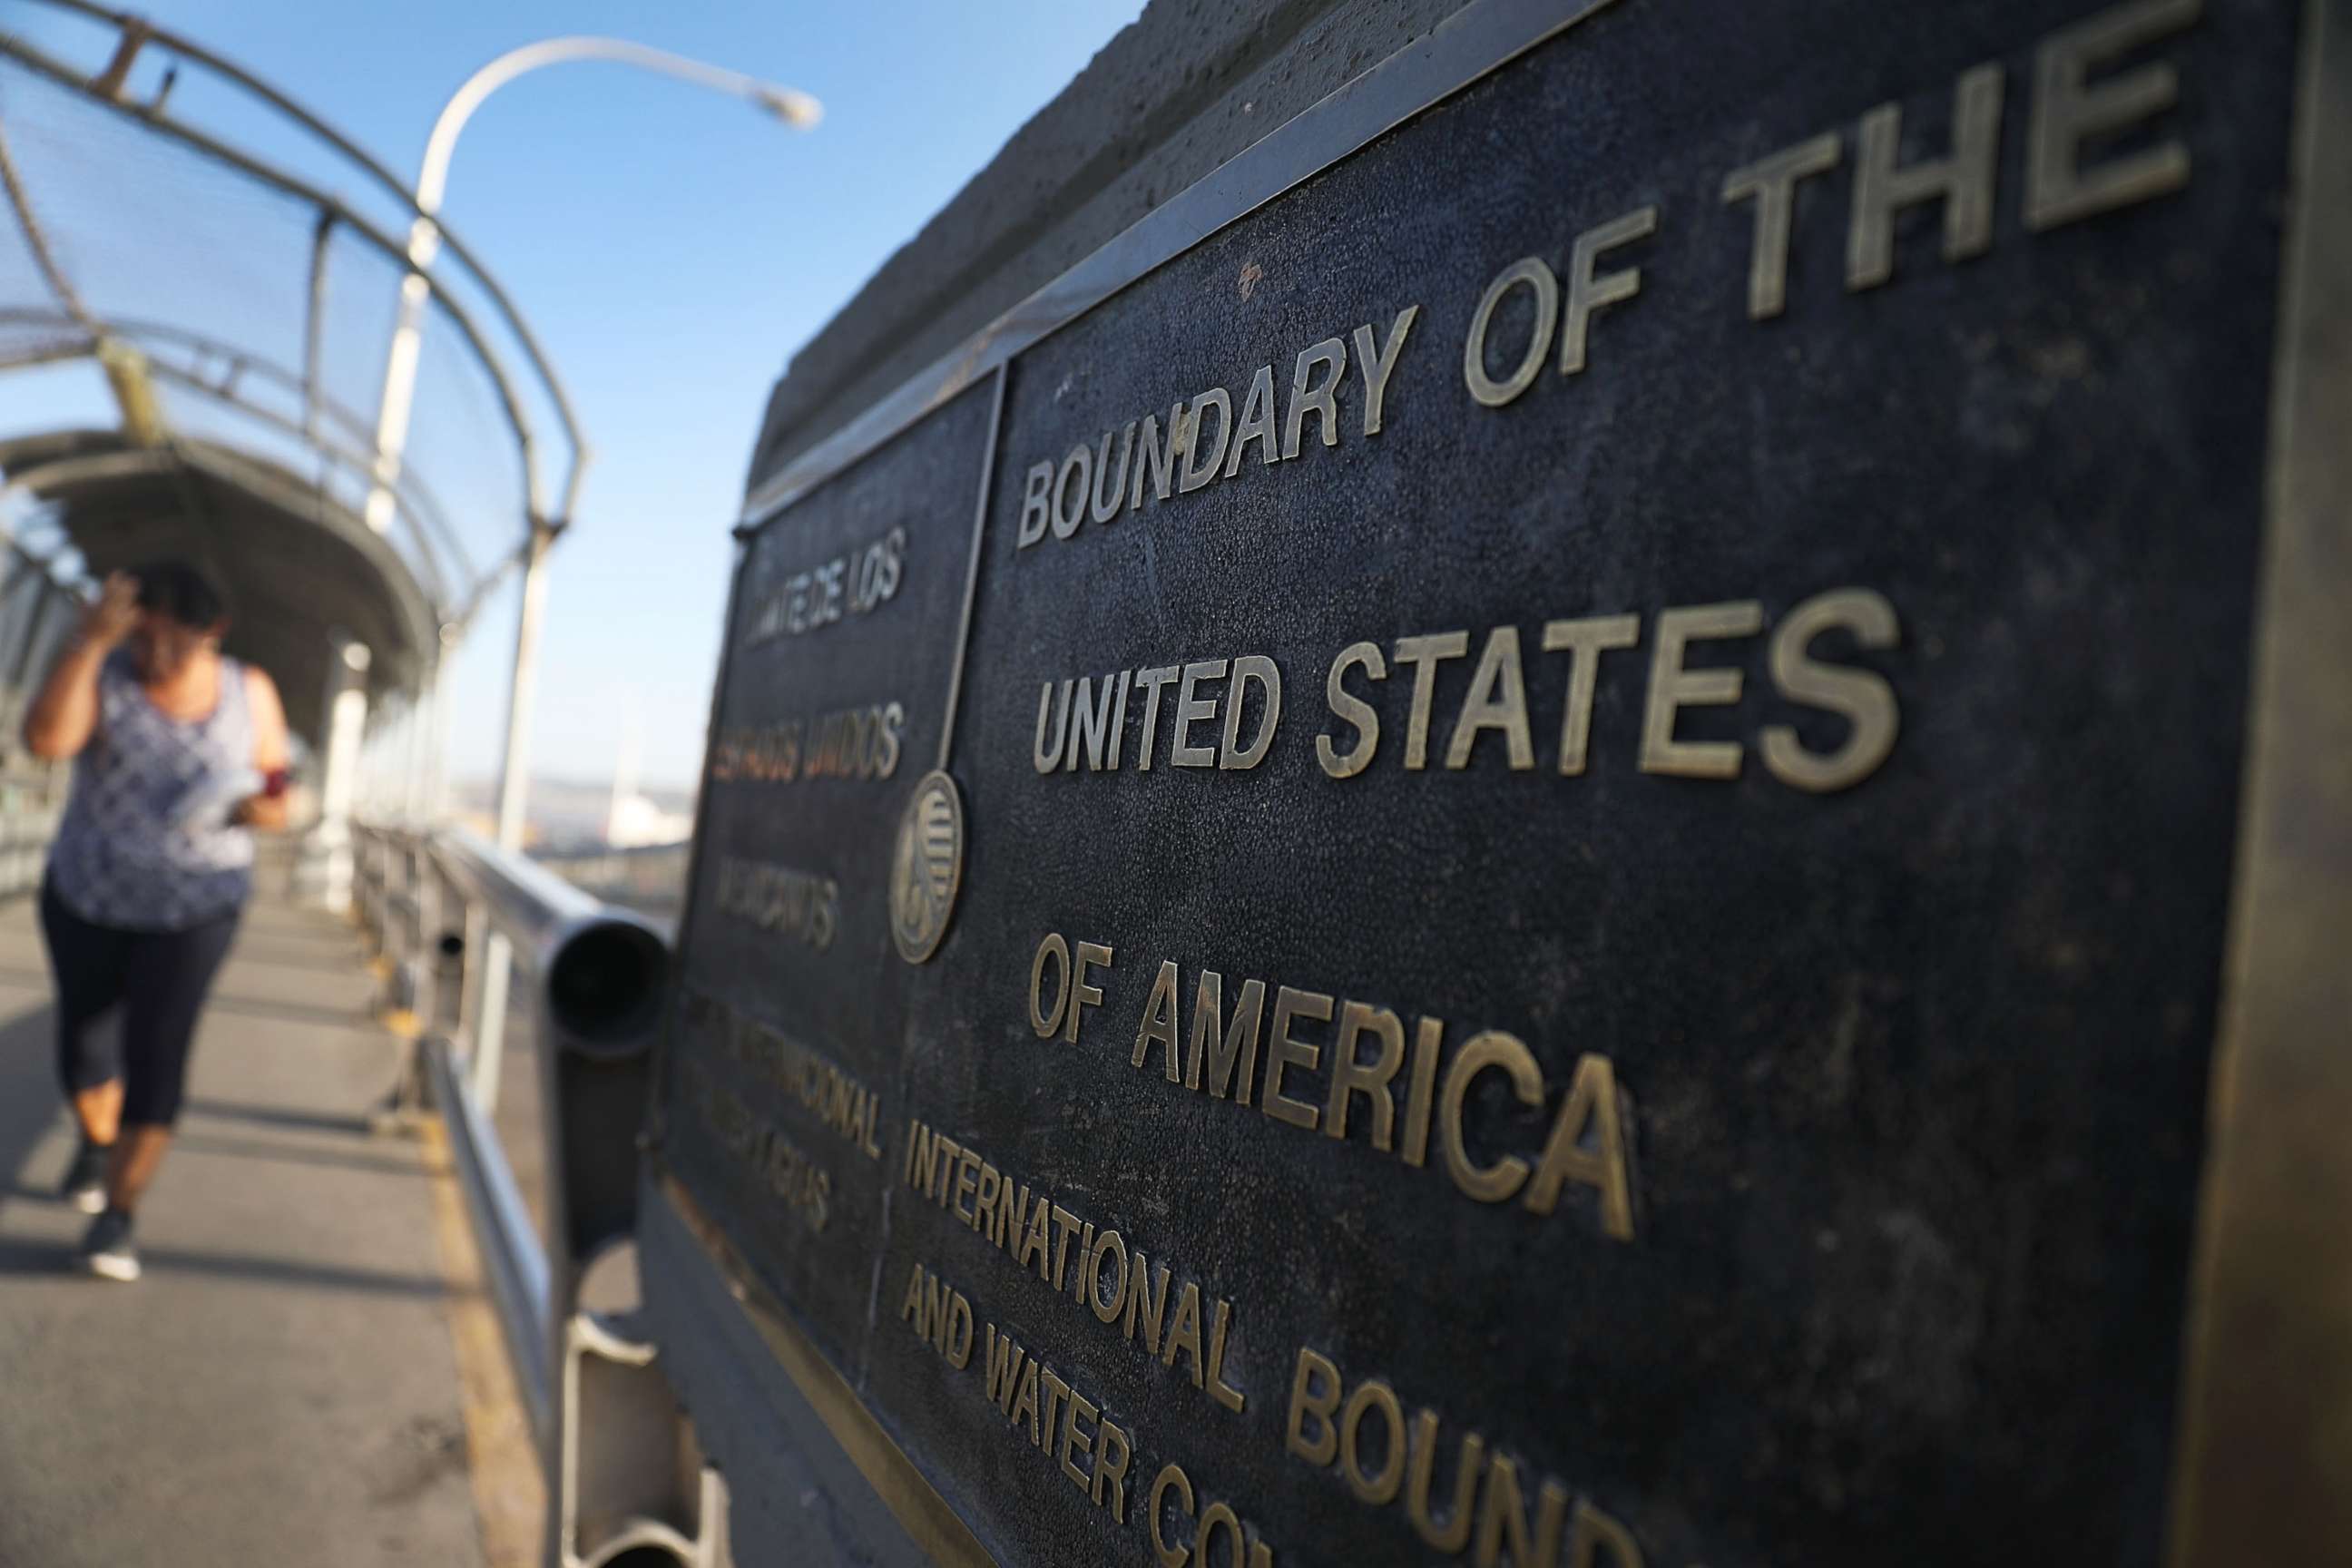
<point x="282" y="1387"/>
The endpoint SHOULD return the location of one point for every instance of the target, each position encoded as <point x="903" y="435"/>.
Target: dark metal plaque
<point x="788" y="1042"/>
<point x="1528" y="859"/>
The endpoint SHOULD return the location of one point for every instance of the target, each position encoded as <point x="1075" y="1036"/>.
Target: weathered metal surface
<point x="1685" y="695"/>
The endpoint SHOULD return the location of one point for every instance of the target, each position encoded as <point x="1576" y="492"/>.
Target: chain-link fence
<point x="41" y="603"/>
<point x="234" y="266"/>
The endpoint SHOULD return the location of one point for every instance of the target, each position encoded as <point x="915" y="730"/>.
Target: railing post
<point x="323" y="869"/>
<point x="482" y="1005"/>
<point x="625" y="1475"/>
<point x="424" y="735"/>
<point x="486" y="982"/>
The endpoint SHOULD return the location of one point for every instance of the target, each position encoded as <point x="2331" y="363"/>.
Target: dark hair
<point x="183" y="591"/>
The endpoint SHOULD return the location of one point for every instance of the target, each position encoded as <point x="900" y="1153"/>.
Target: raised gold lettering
<point x="1046" y="752"/>
<point x="1223" y="1392"/>
<point x="1532" y="273"/>
<point x="1037" y="510"/>
<point x="1156" y="458"/>
<point x="1772" y="181"/>
<point x="1025" y="1401"/>
<point x="1200" y="469"/>
<point x="1419" y="1094"/>
<point x="1047" y="1024"/>
<point x="1152" y="680"/>
<point x="1590" y="1109"/>
<point x="1070" y="512"/>
<point x="1424" y="654"/>
<point x="1595" y="1532"/>
<point x="1381" y="1486"/>
<point x="1216" y="1517"/>
<point x="1584" y="641"/>
<point x="1083" y="993"/>
<point x="1002" y="1368"/>
<point x="1056" y="1392"/>
<point x="1672" y="688"/>
<point x="1091" y="726"/>
<point x="1190" y="710"/>
<point x="1862" y="695"/>
<point x="1307" y="1401"/>
<point x="1146" y="1306"/>
<point x="1184" y="1333"/>
<point x="1109" y="1471"/>
<point x="1171" y="1478"/>
<point x="1160" y="1020"/>
<point x="1503" y="1513"/>
<point x="2068" y="114"/>
<point x="1077" y="1437"/>
<point x="1498" y="701"/>
<point x="1282" y="1051"/>
<point x="1350" y="1076"/>
<point x="1247" y="669"/>
<point x="1255" y="424"/>
<point x="1228" y="1047"/>
<point x="1455" y="1533"/>
<point x="1963" y="182"/>
<point x="1307" y="398"/>
<point x="1107" y="499"/>
<point x="1376" y="367"/>
<point x="1106" y="1307"/>
<point x="1066" y="1226"/>
<point x="1351" y="710"/>
<point x="1588" y="292"/>
<point x="1497" y="1183"/>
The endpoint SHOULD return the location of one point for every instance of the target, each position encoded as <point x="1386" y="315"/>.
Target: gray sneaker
<point x="85" y="1183"/>
<point x="106" y="1251"/>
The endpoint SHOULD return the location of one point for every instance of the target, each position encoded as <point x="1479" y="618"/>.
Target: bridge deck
<point x="281" y="1386"/>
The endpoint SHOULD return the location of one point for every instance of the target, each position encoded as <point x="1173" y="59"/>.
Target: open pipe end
<point x="605" y="987"/>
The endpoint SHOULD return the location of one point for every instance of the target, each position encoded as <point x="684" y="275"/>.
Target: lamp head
<point x="788" y="104"/>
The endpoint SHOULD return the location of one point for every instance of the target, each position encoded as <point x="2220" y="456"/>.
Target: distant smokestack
<point x="625" y="765"/>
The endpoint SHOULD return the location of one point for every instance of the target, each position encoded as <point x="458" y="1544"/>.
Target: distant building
<point x="634" y="821"/>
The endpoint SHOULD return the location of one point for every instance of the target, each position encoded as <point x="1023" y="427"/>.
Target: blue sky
<point x="672" y="247"/>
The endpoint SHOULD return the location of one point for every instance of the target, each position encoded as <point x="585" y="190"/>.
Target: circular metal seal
<point x="926" y="867"/>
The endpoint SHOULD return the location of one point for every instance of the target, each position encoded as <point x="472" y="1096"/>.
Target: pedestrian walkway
<point x="282" y="1387"/>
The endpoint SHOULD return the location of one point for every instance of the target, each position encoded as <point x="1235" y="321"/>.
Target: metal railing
<point x="613" y="1444"/>
<point x="647" y="878"/>
<point x="462" y="291"/>
<point x="41" y="603"/>
<point x="224" y="257"/>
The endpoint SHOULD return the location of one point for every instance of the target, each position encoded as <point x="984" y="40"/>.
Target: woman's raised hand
<point x="115" y="614"/>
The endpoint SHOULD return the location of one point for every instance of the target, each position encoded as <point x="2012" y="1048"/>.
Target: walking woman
<point x="178" y="754"/>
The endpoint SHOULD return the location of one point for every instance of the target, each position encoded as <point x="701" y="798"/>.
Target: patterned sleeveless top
<point x="145" y="843"/>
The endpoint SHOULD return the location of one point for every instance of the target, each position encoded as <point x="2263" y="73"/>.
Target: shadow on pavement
<point x="275" y="1116"/>
<point x="200" y="1142"/>
<point x="286" y="1012"/>
<point x="29" y="1102"/>
<point x="18" y="1255"/>
<point x="273" y="954"/>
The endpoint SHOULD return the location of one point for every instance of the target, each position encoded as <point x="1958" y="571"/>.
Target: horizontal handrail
<point x="512" y="1257"/>
<point x="531" y="904"/>
<point x="598" y="972"/>
<point x="600" y="967"/>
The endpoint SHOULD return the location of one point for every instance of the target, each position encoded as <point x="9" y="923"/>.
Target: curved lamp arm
<point x="790" y="105"/>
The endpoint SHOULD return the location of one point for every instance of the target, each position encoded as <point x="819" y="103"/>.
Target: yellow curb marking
<point x="509" y="1493"/>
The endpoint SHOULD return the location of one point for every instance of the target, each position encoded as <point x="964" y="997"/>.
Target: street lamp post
<point x="788" y="104"/>
<point x="483" y="1009"/>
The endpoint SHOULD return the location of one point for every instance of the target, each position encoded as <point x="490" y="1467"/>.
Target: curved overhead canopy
<point x="227" y="259"/>
<point x="300" y="569"/>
